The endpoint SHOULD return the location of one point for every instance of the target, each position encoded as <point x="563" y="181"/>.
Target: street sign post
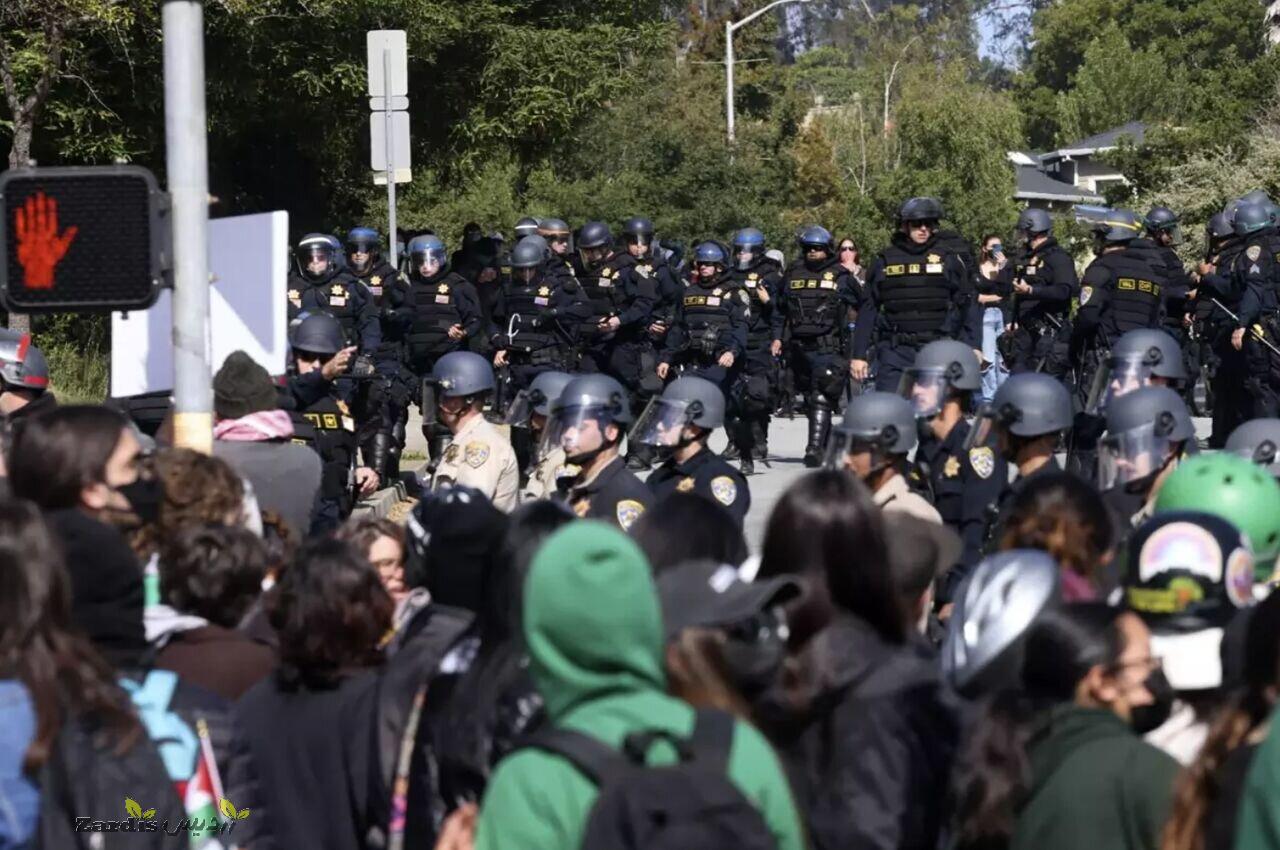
<point x="388" y="61"/>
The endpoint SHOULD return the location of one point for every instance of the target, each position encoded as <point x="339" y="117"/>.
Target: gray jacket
<point x="285" y="477"/>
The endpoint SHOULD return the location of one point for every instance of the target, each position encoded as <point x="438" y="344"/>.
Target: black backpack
<point x="689" y="805"/>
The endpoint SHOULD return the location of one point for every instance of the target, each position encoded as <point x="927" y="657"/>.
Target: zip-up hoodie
<point x="594" y="631"/>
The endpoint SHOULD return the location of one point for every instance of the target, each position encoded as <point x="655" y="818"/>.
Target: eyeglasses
<point x="847" y="248"/>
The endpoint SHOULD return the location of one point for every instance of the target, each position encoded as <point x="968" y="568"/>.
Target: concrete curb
<point x="379" y="505"/>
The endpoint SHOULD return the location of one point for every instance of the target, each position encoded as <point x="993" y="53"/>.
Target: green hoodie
<point x="594" y="632"/>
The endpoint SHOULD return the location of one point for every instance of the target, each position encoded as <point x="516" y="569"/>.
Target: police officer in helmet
<point x="638" y="235"/>
<point x="814" y="298"/>
<point x="1221" y="363"/>
<point x="1254" y="275"/>
<point x="918" y="290"/>
<point x="872" y="441"/>
<point x="1164" y="231"/>
<point x="1149" y="431"/>
<point x="24" y="379"/>
<point x="560" y="257"/>
<point x="529" y="411"/>
<point x="751" y="396"/>
<point x="1043" y="283"/>
<point x="709" y="334"/>
<point x="1257" y="440"/>
<point x="589" y="422"/>
<point x="321" y="284"/>
<point x="678" y="425"/>
<point x="525" y="226"/>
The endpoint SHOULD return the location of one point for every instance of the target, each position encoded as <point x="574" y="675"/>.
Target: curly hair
<point x="1060" y="514"/>
<point x="212" y="571"/>
<point x="198" y="490"/>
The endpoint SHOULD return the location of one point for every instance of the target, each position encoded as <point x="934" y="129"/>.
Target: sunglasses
<point x="916" y="223"/>
<point x="848" y="248"/>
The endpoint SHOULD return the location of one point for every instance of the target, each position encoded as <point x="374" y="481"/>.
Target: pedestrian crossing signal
<point x="82" y="240"/>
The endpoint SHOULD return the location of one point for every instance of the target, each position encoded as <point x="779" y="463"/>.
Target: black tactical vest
<point x="708" y="316"/>
<point x="336" y="295"/>
<point x="759" y="330"/>
<point x="435" y="311"/>
<point x="1136" y="290"/>
<point x="326" y="427"/>
<point x="915" y="296"/>
<point x="603" y="289"/>
<point x="813" y="300"/>
<point x="526" y="301"/>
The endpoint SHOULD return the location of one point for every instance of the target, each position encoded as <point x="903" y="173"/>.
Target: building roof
<point x="1035" y="185"/>
<point x="1105" y="141"/>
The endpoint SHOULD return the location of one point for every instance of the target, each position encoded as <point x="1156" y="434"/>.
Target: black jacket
<point x="871" y="766"/>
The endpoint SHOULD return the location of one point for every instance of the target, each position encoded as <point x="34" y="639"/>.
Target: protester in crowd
<point x="599" y="668"/>
<point x="726" y="639"/>
<point x="210" y="576"/>
<point x="304" y="734"/>
<point x="253" y="435"/>
<point x="1206" y="800"/>
<point x="991" y="285"/>
<point x="382" y="542"/>
<point x="849" y="257"/>
<point x="69" y="737"/>
<point x="871" y="754"/>
<point x="1062" y="514"/>
<point x="1258" y="824"/>
<point x="920" y="553"/>
<point x="685" y="527"/>
<point x="1053" y="762"/>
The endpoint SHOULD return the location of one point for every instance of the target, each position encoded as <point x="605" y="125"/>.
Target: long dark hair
<point x="992" y="776"/>
<point x="827" y="529"/>
<point x="686" y="527"/>
<point x="1199" y="786"/>
<point x="331" y="614"/>
<point x="58" y="453"/>
<point x="1061" y="514"/>
<point x="61" y="671"/>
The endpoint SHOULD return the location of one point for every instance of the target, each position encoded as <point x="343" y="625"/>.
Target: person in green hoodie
<point x="1052" y="764"/>
<point x="593" y="627"/>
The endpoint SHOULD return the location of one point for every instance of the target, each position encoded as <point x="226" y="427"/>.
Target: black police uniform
<point x="1177" y="285"/>
<point x="440" y="302"/>
<point x="708" y="475"/>
<point x="751" y="399"/>
<point x="1043" y="337"/>
<point x="963" y="483"/>
<point x="1121" y="291"/>
<point x="1254" y="272"/>
<point x="342" y="296"/>
<point x="382" y="403"/>
<point x="811" y="307"/>
<point x="1229" y="401"/>
<point x="667" y="291"/>
<point x="710" y="321"/>
<point x="323" y="421"/>
<point x="914" y="295"/>
<point x="537" y="324"/>
<point x="615" y="495"/>
<point x="616" y="290"/>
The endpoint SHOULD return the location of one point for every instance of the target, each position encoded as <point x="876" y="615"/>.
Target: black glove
<point x="363" y="367"/>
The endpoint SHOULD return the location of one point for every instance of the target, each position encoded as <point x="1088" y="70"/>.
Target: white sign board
<point x="399" y="140"/>
<point x="388" y="62"/>
<point x="248" y="308"/>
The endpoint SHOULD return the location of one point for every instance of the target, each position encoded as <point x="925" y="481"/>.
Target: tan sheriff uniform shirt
<point x="480" y="456"/>
<point x="896" y="496"/>
<point x="542" y="480"/>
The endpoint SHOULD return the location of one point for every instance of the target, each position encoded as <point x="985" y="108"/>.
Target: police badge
<point x="628" y="511"/>
<point x="725" y="489"/>
<point x="477" y="454"/>
<point x="983" y="461"/>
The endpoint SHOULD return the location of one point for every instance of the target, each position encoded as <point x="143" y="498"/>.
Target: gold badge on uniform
<point x="725" y="489"/>
<point x="544" y="291"/>
<point x="933" y="258"/>
<point x="477" y="454"/>
<point x="983" y="461"/>
<point x="442" y="288"/>
<point x="337" y="289"/>
<point x="376" y="280"/>
<point x="581" y="507"/>
<point x="828" y="276"/>
<point x="628" y="511"/>
<point x="685" y="484"/>
<point x="342" y="406"/>
<point x="295" y="297"/>
<point x="951" y="468"/>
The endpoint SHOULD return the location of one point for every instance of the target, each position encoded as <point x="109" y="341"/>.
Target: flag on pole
<point x="203" y="791"/>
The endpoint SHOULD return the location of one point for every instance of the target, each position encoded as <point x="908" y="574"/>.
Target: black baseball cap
<point x="704" y="593"/>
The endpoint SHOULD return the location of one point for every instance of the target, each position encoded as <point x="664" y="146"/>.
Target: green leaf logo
<point x="244" y="813"/>
<point x="227" y="808"/>
<point x="148" y="814"/>
<point x="131" y="808"/>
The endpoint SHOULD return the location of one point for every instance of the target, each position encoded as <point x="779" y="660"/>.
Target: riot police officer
<point x="1259" y="441"/>
<point x="1164" y="231"/>
<point x="1122" y="290"/>
<point x="940" y="386"/>
<point x="918" y="290"/>
<point x="529" y="410"/>
<point x="1221" y="363"/>
<point x="478" y="454"/>
<point x="751" y="396"/>
<point x="1148" y="431"/>
<point x="559" y="259"/>
<point x="709" y="335"/>
<point x="813" y="298"/>
<point x="1044" y="282"/>
<point x="678" y="425"/>
<point x="322" y="419"/>
<point x="537" y="316"/>
<point x="1254" y="276"/>
<point x="621" y="303"/>
<point x="638" y="235"/>
<point x="446" y="315"/>
<point x="588" y="422"/>
<point x="525" y="226"/>
<point x="872" y="441"/>
<point x="321" y="284"/>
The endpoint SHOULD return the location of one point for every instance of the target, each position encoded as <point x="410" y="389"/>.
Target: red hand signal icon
<point x="40" y="248"/>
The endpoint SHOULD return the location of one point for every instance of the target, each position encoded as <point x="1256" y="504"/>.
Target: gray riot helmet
<point x="21" y="363"/>
<point x="462" y="373"/>
<point x="557" y="233"/>
<point x="526" y="226"/>
<point x="1257" y="196"/>
<point x="1163" y="220"/>
<point x="638" y="230"/>
<point x="1138" y="357"/>
<point x="881" y="423"/>
<point x="318" y="246"/>
<point x="994" y="611"/>
<point x="685" y="401"/>
<point x="1259" y="441"/>
<point x="543" y="391"/>
<point x="316" y="333"/>
<point x="1118" y="227"/>
<point x="920" y="209"/>
<point x="1145" y="429"/>
<point x="941" y="368"/>
<point x="748" y="247"/>
<point x="1250" y="219"/>
<point x="529" y="253"/>
<point x="1027" y="405"/>
<point x="1034" y="221"/>
<point x="1219" y="226"/>
<point x="580" y="417"/>
<point x="595" y="242"/>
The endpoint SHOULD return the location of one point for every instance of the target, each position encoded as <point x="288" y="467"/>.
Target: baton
<point x="1259" y="337"/>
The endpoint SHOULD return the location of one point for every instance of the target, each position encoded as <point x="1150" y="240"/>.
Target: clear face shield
<point x="1117" y="377"/>
<point x="594" y="258"/>
<point x="1131" y="455"/>
<point x="849" y="452"/>
<point x="427" y="263"/>
<point x="1173" y="233"/>
<point x="316" y="260"/>
<point x="579" y="430"/>
<point x="926" y="389"/>
<point x="360" y="255"/>
<point x="559" y="244"/>
<point x="525" y="274"/>
<point x="662" y="423"/>
<point x="522" y="411"/>
<point x="638" y="244"/>
<point x="744" y="256"/>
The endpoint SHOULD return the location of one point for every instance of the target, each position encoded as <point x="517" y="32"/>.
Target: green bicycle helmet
<point x="1231" y="487"/>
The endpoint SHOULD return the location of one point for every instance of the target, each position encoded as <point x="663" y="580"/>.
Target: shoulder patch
<point x="983" y="461"/>
<point x="1253" y="252"/>
<point x="628" y="511"/>
<point x="725" y="489"/>
<point x="1086" y="292"/>
<point x="477" y="453"/>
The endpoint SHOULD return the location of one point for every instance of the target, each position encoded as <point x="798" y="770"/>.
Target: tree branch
<point x="7" y="78"/>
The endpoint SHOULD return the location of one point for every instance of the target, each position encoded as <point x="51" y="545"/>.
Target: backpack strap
<point x="593" y="758"/>
<point x="712" y="737"/>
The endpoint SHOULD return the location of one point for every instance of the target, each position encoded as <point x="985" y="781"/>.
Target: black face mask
<point x="1148" y="718"/>
<point x="144" y="496"/>
<point x="754" y="652"/>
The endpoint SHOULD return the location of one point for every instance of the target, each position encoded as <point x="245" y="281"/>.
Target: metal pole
<point x="187" y="162"/>
<point x="391" y="166"/>
<point x="728" y="77"/>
